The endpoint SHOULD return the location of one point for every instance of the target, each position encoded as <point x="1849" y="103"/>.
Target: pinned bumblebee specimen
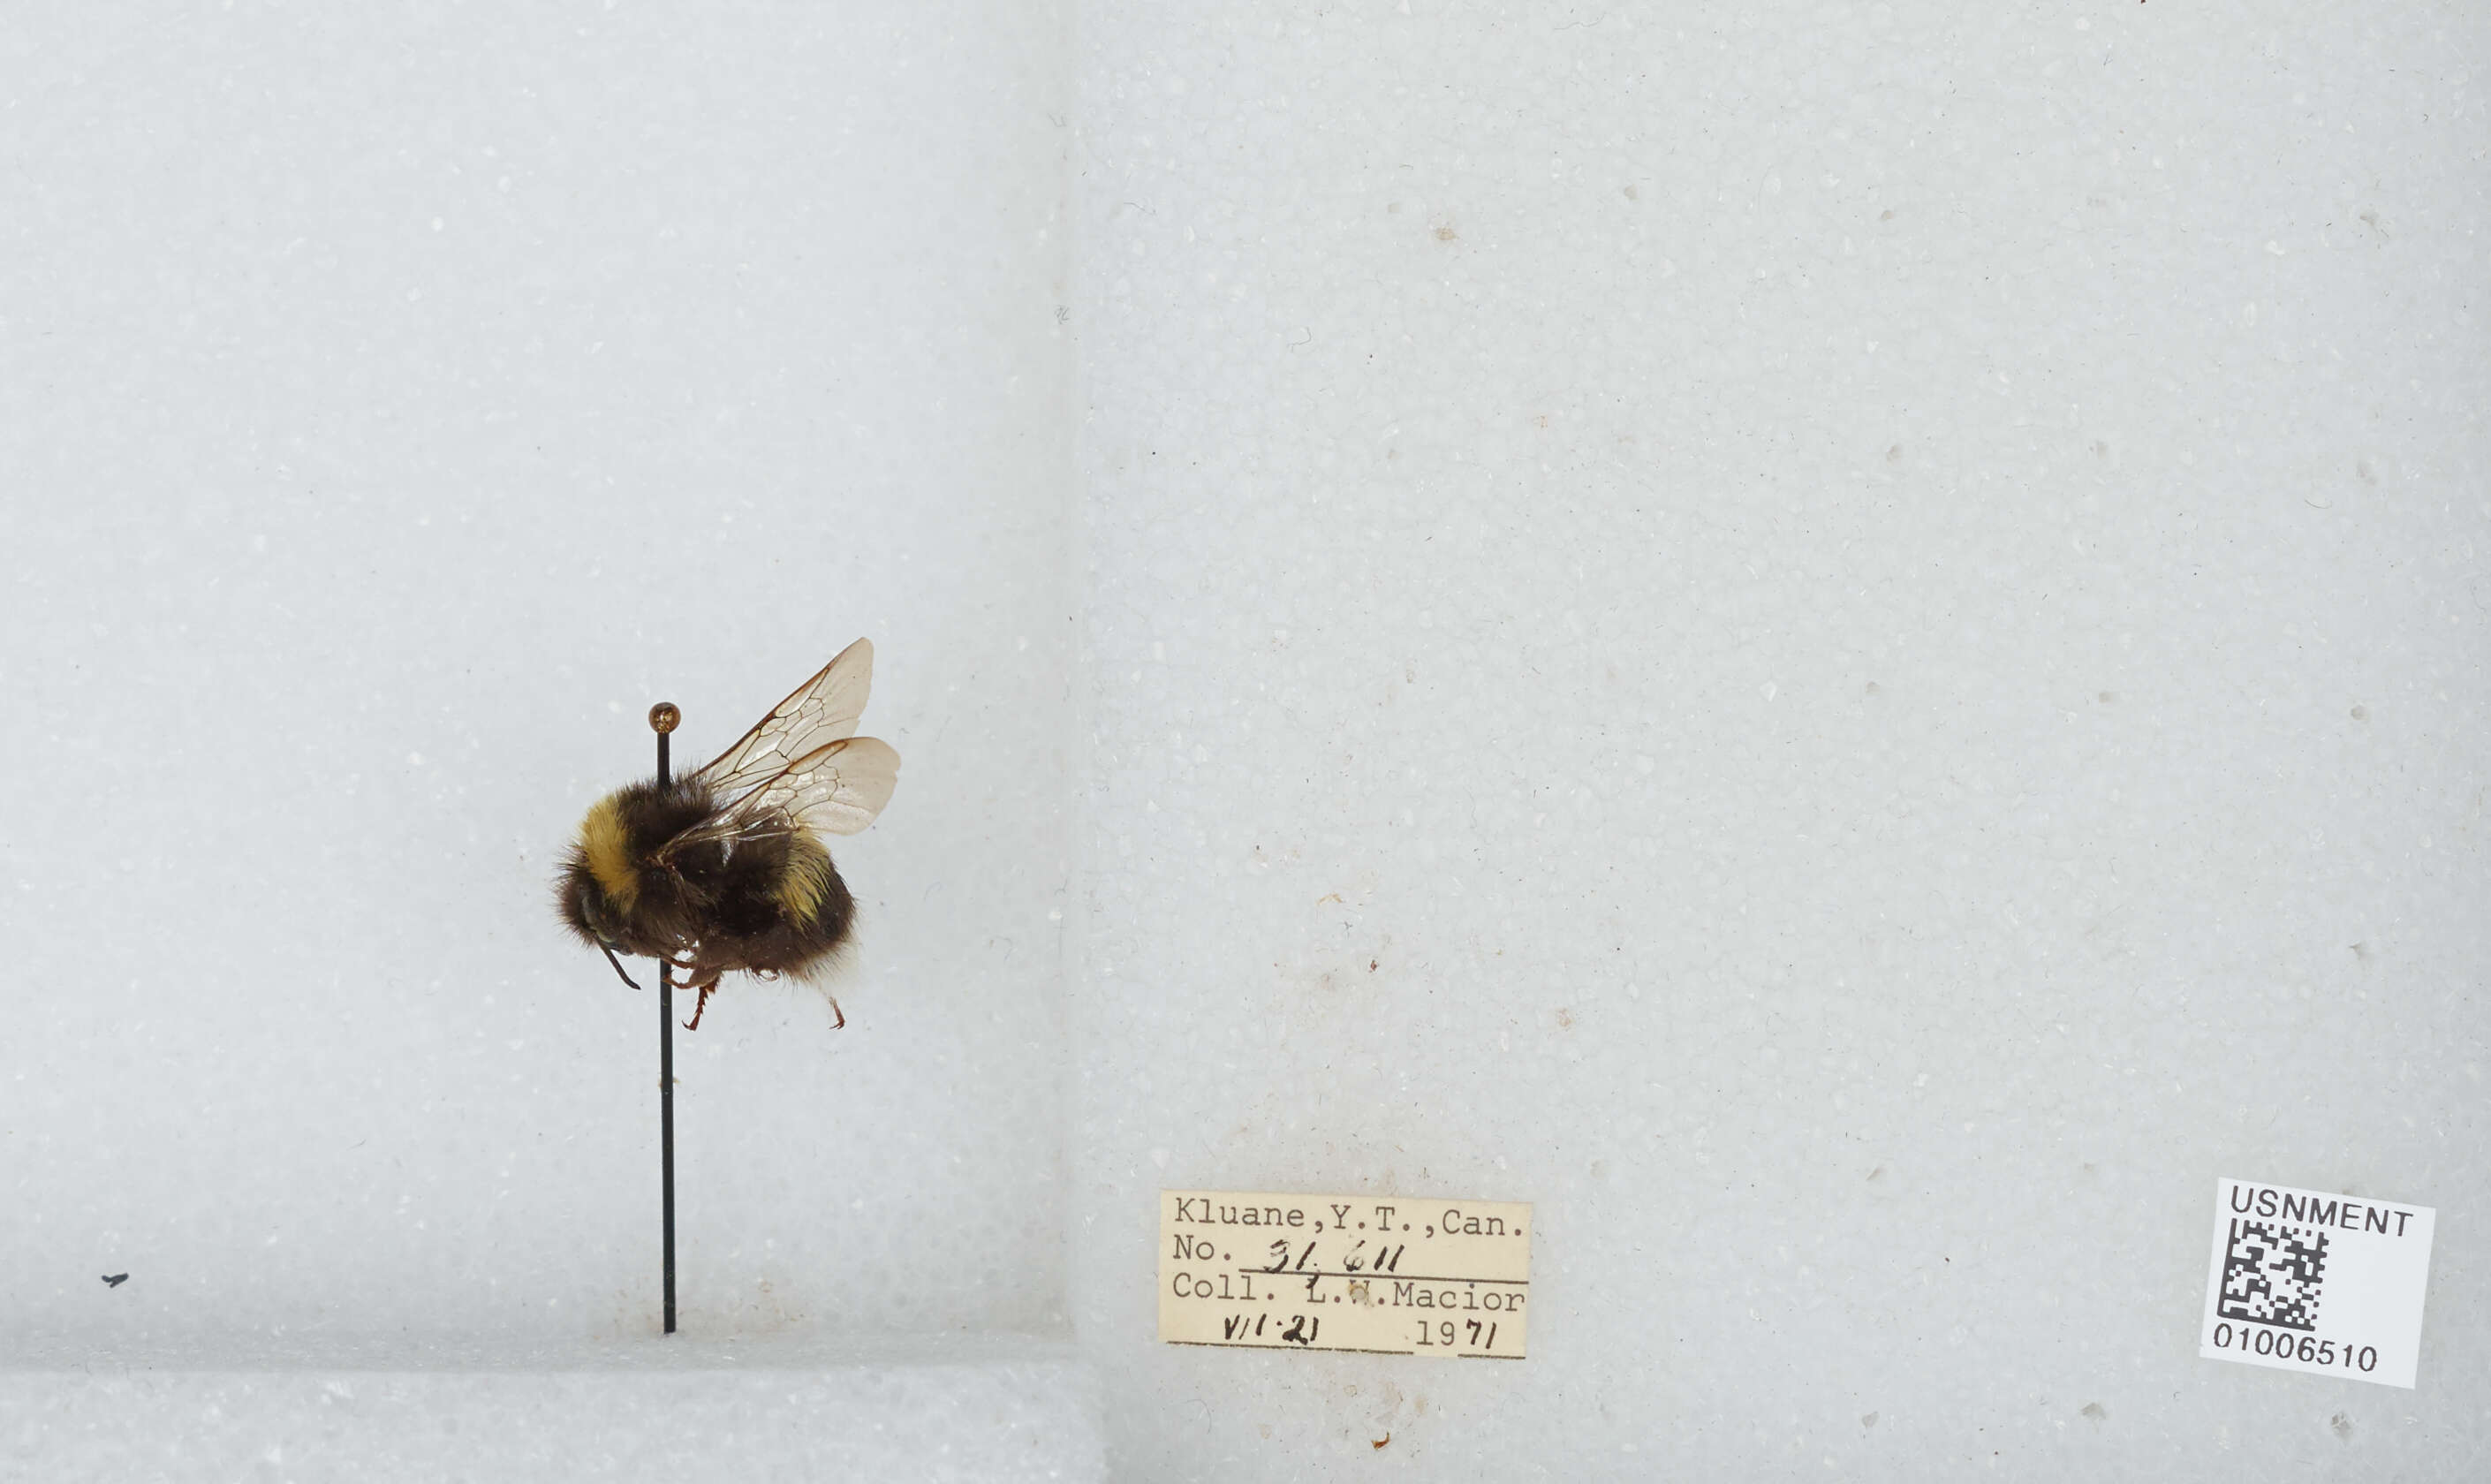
<point x="723" y="870"/>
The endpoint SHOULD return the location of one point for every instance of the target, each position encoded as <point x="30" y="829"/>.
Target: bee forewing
<point x="839" y="788"/>
<point x="824" y="710"/>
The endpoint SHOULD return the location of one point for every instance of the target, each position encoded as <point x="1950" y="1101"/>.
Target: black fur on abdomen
<point x="753" y="926"/>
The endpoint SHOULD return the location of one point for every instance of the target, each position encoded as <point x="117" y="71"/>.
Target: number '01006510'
<point x="2284" y="1344"/>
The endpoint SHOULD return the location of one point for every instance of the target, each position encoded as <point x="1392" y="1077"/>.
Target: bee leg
<point x="693" y="1024"/>
<point x="841" y="1014"/>
<point x="618" y="966"/>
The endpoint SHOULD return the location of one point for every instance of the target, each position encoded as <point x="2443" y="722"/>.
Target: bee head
<point x="584" y="907"/>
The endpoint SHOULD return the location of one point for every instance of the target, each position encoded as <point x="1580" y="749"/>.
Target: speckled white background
<point x="395" y="403"/>
<point x="697" y="1407"/>
<point x="1842" y="643"/>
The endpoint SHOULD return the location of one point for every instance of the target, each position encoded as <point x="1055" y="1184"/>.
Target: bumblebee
<point x="723" y="870"/>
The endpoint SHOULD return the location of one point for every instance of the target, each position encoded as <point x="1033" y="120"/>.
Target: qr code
<point x="2273" y="1273"/>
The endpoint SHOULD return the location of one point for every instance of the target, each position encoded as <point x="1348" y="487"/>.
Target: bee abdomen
<point x="805" y="881"/>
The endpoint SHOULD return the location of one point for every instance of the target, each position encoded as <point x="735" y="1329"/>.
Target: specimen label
<point x="2305" y="1281"/>
<point x="1389" y="1275"/>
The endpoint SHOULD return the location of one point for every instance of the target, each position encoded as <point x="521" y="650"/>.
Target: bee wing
<point x="823" y="709"/>
<point x="839" y="788"/>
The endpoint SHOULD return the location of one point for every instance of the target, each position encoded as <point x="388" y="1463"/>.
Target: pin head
<point x="664" y="717"/>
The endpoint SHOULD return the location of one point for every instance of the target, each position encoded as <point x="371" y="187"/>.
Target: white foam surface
<point x="1842" y="643"/>
<point x="994" y="1409"/>
<point x="398" y="404"/>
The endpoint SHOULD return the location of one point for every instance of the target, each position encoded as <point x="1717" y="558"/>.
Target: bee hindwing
<point x="839" y="788"/>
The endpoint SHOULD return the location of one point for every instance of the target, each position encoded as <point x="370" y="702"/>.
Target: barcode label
<point x="2272" y="1274"/>
<point x="2306" y="1281"/>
